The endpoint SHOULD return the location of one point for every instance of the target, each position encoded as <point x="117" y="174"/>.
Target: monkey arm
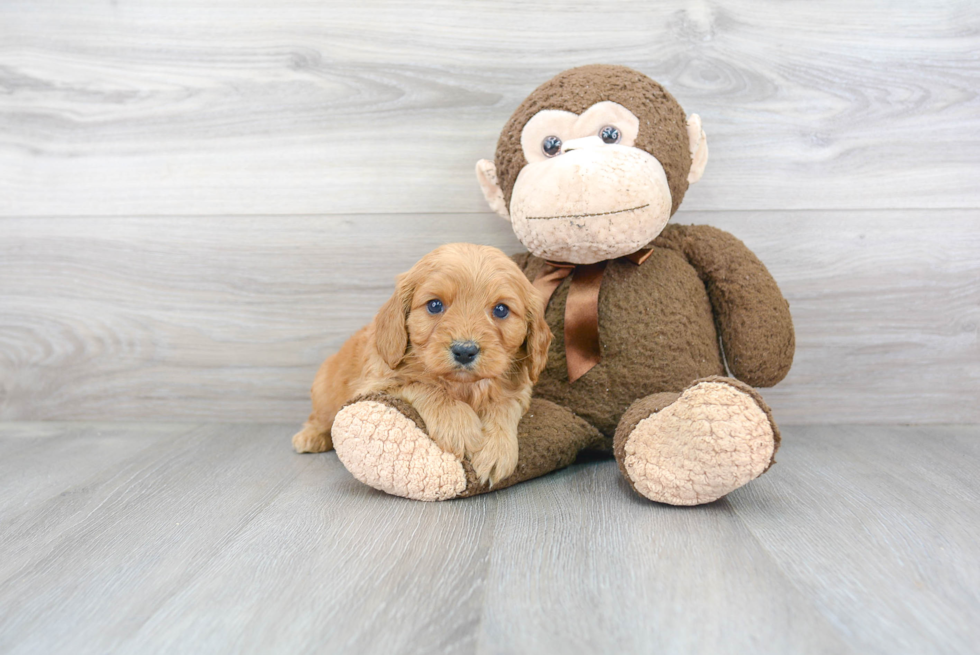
<point x="751" y="314"/>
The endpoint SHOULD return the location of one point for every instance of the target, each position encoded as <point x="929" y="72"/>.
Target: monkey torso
<point x="656" y="329"/>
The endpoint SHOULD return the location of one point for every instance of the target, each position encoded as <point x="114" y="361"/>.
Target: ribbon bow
<point x="582" y="347"/>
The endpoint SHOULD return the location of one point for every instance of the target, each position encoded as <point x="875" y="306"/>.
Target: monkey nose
<point x="584" y="142"/>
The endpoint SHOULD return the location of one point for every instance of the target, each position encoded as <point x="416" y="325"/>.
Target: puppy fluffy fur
<point x="473" y="409"/>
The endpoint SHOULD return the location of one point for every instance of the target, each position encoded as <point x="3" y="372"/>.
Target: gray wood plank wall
<point x="200" y="201"/>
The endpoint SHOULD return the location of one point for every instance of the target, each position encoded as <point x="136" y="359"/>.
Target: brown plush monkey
<point x="589" y="170"/>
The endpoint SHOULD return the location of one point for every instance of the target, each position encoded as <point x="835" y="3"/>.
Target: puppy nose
<point x="464" y="352"/>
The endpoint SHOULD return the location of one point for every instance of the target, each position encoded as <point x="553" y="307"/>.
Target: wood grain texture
<point x="228" y="318"/>
<point x="896" y="511"/>
<point x="219" y="539"/>
<point x="654" y="578"/>
<point x="344" y="568"/>
<point x="131" y="536"/>
<point x="311" y="107"/>
<point x="41" y="460"/>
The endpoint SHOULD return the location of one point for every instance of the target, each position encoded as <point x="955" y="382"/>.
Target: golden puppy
<point x="463" y="339"/>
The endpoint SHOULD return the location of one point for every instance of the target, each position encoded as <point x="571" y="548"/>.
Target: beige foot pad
<point x="386" y="450"/>
<point x="707" y="443"/>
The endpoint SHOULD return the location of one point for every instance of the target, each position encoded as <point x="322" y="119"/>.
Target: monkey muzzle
<point x="593" y="202"/>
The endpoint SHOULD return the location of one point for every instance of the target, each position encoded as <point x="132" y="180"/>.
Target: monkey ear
<point x="699" y="148"/>
<point x="390" y="331"/>
<point x="486" y="175"/>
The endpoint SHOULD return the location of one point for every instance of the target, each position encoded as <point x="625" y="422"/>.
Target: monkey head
<point x="593" y="164"/>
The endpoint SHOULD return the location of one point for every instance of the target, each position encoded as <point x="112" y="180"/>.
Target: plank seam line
<point x="832" y="622"/>
<point x="226" y="540"/>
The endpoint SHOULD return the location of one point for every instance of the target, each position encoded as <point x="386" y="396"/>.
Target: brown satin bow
<point x="582" y="347"/>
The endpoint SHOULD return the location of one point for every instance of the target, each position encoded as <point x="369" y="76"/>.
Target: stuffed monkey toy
<point x="661" y="332"/>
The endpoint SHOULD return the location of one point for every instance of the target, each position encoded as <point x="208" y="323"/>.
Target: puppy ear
<point x="390" y="331"/>
<point x="538" y="336"/>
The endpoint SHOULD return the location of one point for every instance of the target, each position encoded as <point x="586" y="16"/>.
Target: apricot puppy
<point x="463" y="339"/>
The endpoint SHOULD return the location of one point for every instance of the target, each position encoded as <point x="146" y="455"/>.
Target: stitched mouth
<point x="618" y="211"/>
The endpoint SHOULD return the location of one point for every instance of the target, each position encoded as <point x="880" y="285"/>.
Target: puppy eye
<point x="551" y="145"/>
<point x="434" y="306"/>
<point x="610" y="134"/>
<point x="501" y="311"/>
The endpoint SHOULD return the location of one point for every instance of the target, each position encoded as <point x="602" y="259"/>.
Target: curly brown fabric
<point x="663" y="125"/>
<point x="550" y="438"/>
<point x="660" y="324"/>
<point x="751" y="314"/>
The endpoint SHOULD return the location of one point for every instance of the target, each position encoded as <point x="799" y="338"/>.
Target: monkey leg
<point x="383" y="443"/>
<point x="549" y="438"/>
<point x="696" y="446"/>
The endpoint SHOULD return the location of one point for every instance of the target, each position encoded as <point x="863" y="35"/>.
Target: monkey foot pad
<point x="386" y="450"/>
<point x="710" y="441"/>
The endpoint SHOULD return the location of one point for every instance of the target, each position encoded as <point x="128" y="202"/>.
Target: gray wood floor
<point x="217" y="538"/>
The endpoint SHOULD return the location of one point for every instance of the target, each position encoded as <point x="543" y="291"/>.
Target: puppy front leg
<point x="497" y="459"/>
<point x="451" y="424"/>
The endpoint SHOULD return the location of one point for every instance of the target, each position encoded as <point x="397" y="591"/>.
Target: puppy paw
<point x="311" y="440"/>
<point x="455" y="432"/>
<point x="497" y="459"/>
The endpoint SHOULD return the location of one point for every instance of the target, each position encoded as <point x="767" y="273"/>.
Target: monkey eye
<point x="610" y="134"/>
<point x="551" y="146"/>
<point x="501" y="310"/>
<point x="434" y="306"/>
